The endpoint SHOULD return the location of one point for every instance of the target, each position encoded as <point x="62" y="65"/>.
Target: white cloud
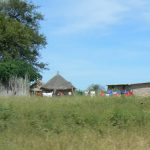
<point x="87" y="14"/>
<point x="82" y="15"/>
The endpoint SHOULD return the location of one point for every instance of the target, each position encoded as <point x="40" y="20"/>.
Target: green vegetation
<point x="73" y="123"/>
<point x="20" y="40"/>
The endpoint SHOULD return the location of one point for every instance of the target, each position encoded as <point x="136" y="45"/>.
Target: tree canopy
<point x="20" y="40"/>
<point x="96" y="88"/>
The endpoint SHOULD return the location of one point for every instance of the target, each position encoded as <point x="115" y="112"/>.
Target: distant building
<point x="35" y="88"/>
<point x="59" y="86"/>
<point x="141" y="89"/>
<point x="138" y="89"/>
<point x="118" y="87"/>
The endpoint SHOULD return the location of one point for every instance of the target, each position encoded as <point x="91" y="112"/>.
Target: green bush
<point x="40" y="115"/>
<point x="37" y="123"/>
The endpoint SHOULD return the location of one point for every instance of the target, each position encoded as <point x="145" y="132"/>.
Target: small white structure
<point x="107" y="95"/>
<point x="86" y="93"/>
<point x="48" y="94"/>
<point x="92" y="93"/>
<point x="69" y="93"/>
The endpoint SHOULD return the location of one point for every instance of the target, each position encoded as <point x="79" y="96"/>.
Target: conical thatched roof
<point x="58" y="83"/>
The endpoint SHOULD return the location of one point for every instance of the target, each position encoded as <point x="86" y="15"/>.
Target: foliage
<point x="74" y="123"/>
<point x="96" y="88"/>
<point x="20" y="40"/>
<point x="79" y="92"/>
<point x="74" y="113"/>
<point x="17" y="68"/>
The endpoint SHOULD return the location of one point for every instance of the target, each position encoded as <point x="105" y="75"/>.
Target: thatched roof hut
<point x="35" y="88"/>
<point x="59" y="85"/>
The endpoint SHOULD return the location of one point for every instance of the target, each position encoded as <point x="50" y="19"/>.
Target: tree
<point x="96" y="88"/>
<point x="20" y="40"/>
<point x="79" y="92"/>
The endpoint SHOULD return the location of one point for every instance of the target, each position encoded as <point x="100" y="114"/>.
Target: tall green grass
<point x="74" y="123"/>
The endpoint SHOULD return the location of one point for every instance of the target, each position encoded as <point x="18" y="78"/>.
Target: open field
<point x="74" y="123"/>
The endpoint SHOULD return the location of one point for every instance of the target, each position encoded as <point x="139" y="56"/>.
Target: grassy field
<point x="74" y="123"/>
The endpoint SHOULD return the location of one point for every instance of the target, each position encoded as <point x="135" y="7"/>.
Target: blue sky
<point x="96" y="41"/>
